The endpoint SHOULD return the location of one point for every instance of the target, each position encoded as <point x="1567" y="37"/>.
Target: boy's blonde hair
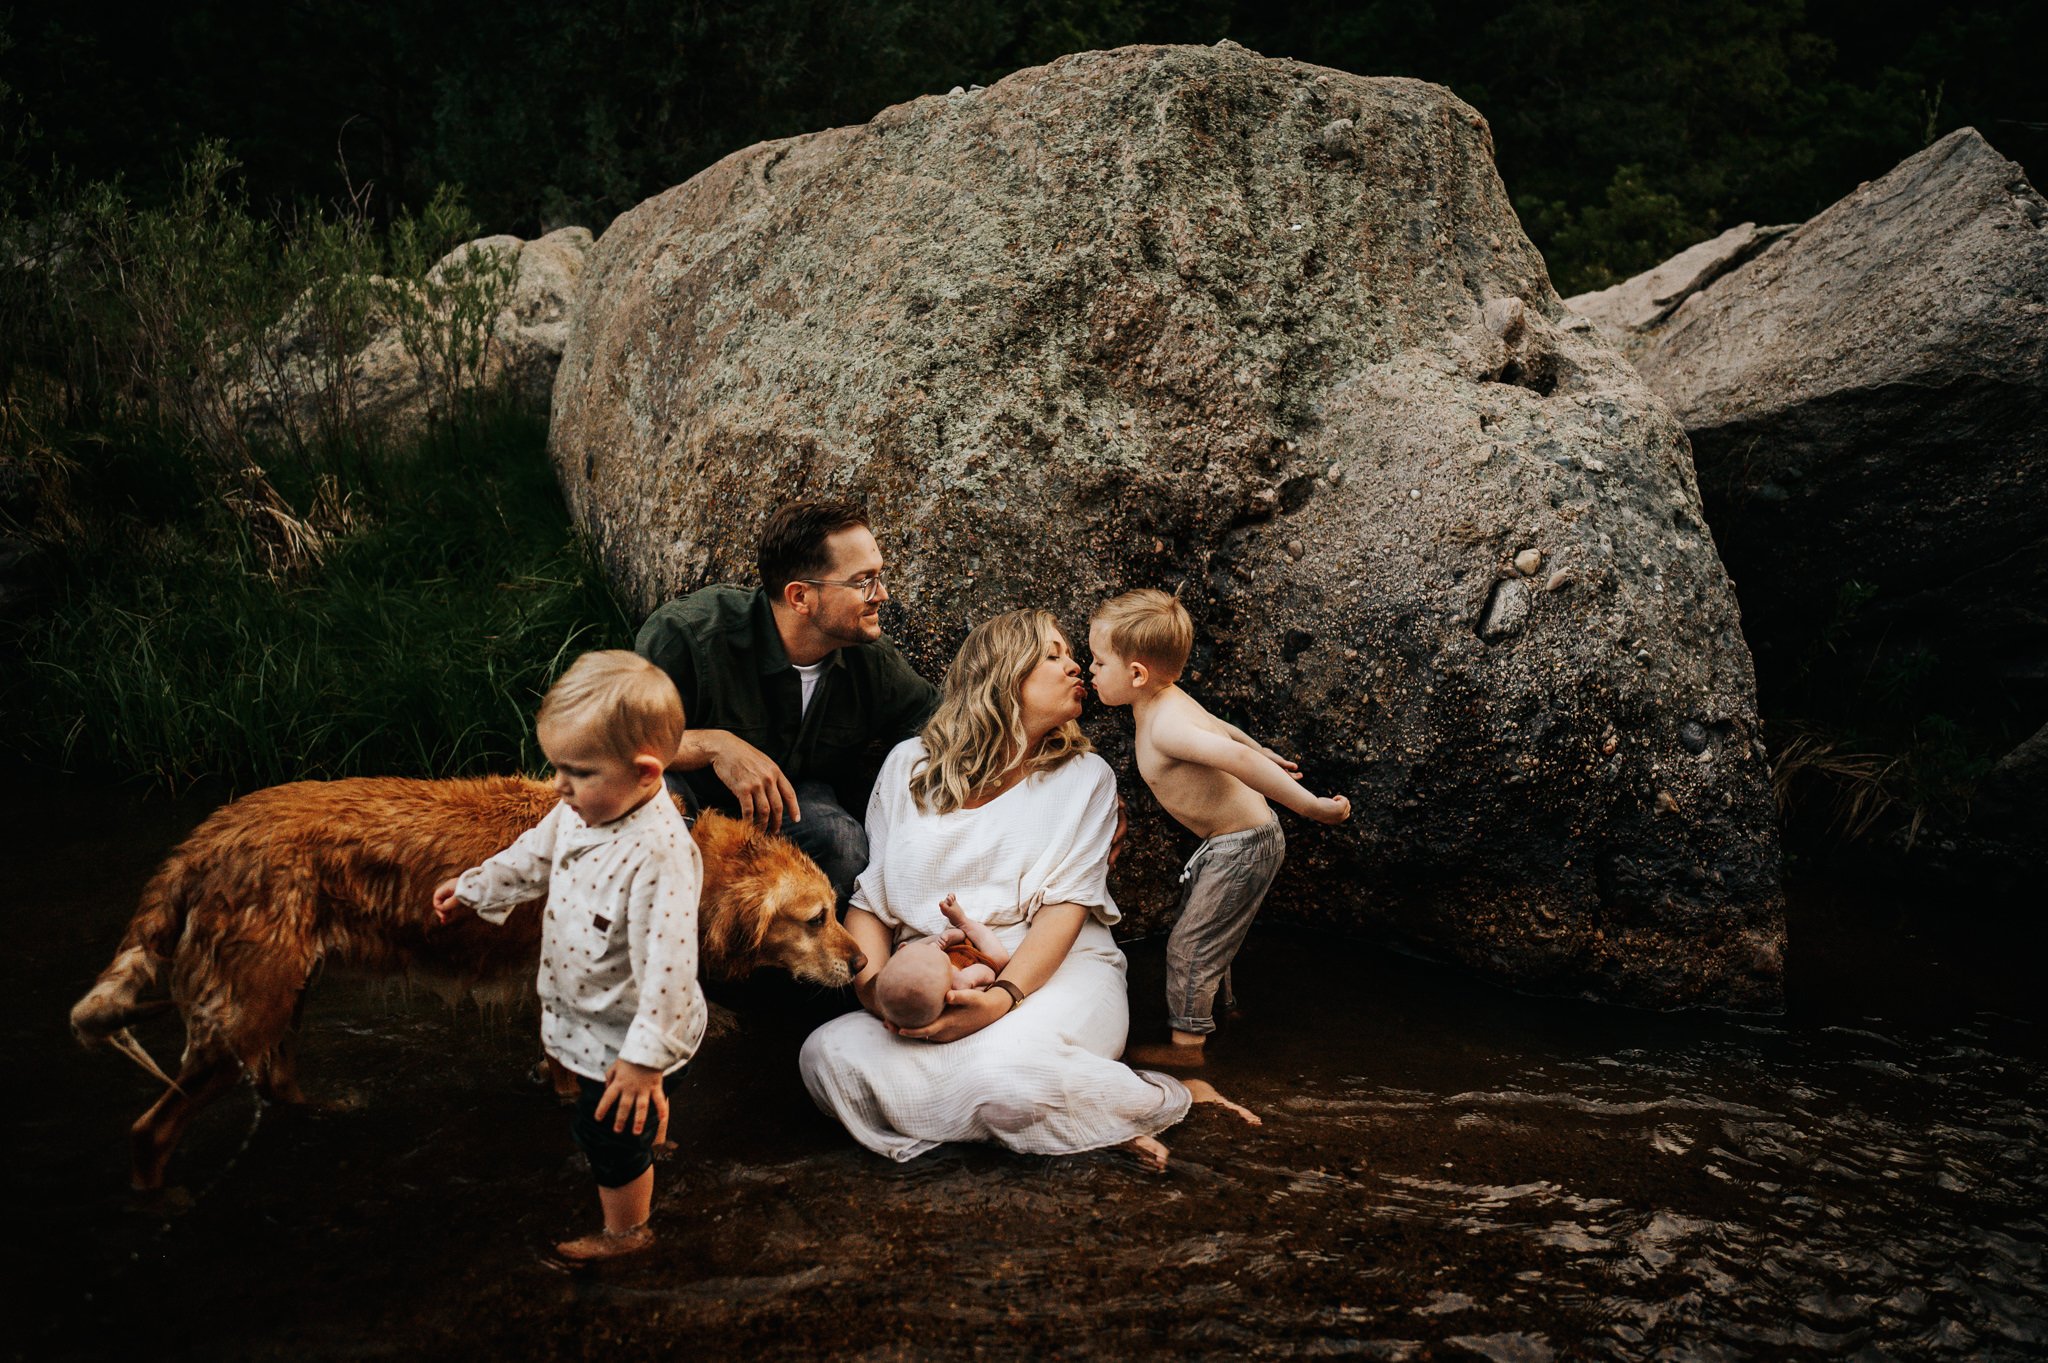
<point x="628" y="703"/>
<point x="977" y="733"/>
<point x="1151" y="627"/>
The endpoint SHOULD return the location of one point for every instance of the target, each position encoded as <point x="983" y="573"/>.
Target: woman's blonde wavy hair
<point x="977" y="733"/>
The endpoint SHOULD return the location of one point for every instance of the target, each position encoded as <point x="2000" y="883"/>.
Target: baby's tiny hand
<point x="1332" y="809"/>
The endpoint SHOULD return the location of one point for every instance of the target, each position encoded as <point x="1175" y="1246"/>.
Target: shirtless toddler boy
<point x="911" y="989"/>
<point x="1216" y="781"/>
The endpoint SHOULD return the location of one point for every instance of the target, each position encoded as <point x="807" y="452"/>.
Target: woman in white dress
<point x="1001" y="803"/>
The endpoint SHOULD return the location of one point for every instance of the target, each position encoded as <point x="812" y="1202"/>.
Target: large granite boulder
<point x="1270" y="333"/>
<point x="1867" y="398"/>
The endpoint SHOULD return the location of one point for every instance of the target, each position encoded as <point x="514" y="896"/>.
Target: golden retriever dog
<point x="341" y="873"/>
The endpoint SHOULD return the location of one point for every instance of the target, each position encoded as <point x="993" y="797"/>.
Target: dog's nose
<point x="858" y="963"/>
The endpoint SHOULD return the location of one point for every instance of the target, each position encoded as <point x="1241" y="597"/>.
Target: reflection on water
<point x="1446" y="1171"/>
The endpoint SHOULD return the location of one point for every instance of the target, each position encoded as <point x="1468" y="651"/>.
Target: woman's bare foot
<point x="1149" y="1151"/>
<point x="1202" y="1091"/>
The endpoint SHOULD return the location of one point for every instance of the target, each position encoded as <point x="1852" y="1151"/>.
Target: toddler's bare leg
<point x="1202" y="1091"/>
<point x="625" y="1224"/>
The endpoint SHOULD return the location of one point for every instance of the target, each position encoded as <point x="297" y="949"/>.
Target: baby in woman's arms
<point x="911" y="989"/>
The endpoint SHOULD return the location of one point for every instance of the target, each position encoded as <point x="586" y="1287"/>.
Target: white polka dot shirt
<point x="618" y="955"/>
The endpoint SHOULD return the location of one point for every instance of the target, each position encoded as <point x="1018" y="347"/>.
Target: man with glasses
<point x="790" y="691"/>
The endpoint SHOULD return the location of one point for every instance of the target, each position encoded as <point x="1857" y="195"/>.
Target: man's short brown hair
<point x="793" y="542"/>
<point x="1151" y="627"/>
<point x="625" y="702"/>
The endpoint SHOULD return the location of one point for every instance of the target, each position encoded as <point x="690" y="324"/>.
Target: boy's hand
<point x="634" y="1090"/>
<point x="1331" y="809"/>
<point x="447" y="908"/>
<point x="1283" y="763"/>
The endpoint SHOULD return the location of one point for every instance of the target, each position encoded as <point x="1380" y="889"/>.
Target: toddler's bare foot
<point x="1149" y="1151"/>
<point x="593" y="1249"/>
<point x="1205" y="1092"/>
<point x="1172" y="1055"/>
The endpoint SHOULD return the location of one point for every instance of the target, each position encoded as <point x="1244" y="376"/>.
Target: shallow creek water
<point x="1446" y="1171"/>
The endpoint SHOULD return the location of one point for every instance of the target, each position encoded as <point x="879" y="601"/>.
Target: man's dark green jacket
<point x="720" y="647"/>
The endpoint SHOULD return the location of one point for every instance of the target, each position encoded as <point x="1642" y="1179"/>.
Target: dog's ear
<point x="764" y="919"/>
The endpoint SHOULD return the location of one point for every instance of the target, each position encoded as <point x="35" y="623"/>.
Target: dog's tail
<point x="121" y="995"/>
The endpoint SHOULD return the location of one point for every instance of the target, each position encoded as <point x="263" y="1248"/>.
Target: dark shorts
<point x="616" y="1157"/>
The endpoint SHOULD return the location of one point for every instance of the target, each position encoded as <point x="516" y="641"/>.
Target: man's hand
<point x="447" y="908"/>
<point x="967" y="1012"/>
<point x="765" y="794"/>
<point x="634" y="1090"/>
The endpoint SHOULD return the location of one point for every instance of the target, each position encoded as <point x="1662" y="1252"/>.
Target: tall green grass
<point x="418" y="644"/>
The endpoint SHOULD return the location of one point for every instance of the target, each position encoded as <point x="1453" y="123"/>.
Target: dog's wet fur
<point x="272" y="887"/>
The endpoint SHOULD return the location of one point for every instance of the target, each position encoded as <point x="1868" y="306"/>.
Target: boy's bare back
<point x="1176" y="735"/>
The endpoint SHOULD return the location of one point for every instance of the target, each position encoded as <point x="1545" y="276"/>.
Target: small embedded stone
<point x="1295" y="549"/>
<point x="1527" y="562"/>
<point x="1558" y="581"/>
<point x="1692" y="736"/>
<point x="1667" y="803"/>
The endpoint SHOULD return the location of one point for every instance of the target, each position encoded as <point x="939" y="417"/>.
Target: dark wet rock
<point x="1142" y="317"/>
<point x="2010" y="812"/>
<point x="1868" y="405"/>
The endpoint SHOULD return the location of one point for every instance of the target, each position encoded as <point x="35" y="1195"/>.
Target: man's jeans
<point x="828" y="835"/>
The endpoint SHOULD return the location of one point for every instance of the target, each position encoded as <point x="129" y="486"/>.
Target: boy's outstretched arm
<point x="1285" y="764"/>
<point x="1187" y="743"/>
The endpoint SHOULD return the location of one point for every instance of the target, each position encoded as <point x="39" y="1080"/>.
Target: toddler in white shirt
<point x="621" y="1008"/>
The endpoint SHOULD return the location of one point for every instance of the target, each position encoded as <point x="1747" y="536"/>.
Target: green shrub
<point x="419" y="645"/>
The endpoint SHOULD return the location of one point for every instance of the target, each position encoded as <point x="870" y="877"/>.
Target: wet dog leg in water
<point x="205" y="1076"/>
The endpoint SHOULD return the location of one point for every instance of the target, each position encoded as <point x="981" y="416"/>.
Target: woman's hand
<point x="967" y="1012"/>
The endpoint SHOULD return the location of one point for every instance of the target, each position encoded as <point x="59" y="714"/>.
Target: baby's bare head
<point x="911" y="989"/>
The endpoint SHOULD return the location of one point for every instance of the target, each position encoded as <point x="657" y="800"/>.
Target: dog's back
<point x="319" y="871"/>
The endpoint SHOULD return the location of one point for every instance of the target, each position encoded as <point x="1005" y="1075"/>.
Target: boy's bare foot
<point x="1205" y="1092"/>
<point x="594" y="1249"/>
<point x="1149" y="1151"/>
<point x="1172" y="1055"/>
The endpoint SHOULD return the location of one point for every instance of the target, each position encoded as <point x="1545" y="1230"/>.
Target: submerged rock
<point x="1158" y="317"/>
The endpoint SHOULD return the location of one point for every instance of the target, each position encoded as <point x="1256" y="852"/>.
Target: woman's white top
<point x="1043" y="841"/>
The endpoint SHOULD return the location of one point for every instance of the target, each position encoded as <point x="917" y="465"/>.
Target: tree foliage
<point x="1624" y="127"/>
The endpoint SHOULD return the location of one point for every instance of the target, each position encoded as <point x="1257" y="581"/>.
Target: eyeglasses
<point x="869" y="587"/>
